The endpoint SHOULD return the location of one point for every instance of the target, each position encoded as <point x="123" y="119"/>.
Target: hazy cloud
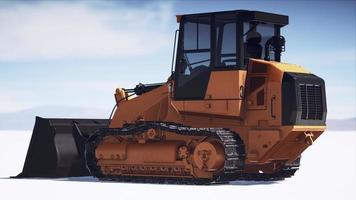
<point x="61" y="30"/>
<point x="326" y="58"/>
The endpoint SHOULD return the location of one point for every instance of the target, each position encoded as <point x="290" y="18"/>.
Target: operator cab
<point x="223" y="41"/>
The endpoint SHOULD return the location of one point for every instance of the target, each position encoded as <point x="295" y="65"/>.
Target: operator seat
<point x="253" y="49"/>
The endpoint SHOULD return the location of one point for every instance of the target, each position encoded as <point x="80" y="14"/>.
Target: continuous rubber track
<point x="233" y="145"/>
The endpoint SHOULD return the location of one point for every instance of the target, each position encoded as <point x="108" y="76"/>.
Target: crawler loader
<point x="231" y="110"/>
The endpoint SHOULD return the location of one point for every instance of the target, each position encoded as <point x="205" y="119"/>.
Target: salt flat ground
<point x="328" y="171"/>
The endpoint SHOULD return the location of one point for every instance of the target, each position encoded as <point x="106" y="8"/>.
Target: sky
<point x="66" y="53"/>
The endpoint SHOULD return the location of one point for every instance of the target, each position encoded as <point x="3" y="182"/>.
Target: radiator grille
<point x="311" y="102"/>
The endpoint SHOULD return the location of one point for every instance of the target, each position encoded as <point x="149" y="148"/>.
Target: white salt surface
<point x="328" y="171"/>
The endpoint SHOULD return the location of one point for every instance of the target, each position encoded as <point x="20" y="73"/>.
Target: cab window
<point x="226" y="56"/>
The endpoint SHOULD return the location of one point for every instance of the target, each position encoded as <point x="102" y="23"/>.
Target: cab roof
<point x="245" y="15"/>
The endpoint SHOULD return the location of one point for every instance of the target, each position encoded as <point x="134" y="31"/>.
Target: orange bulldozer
<point x="231" y="110"/>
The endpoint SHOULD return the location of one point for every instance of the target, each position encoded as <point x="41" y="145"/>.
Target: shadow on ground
<point x="96" y="180"/>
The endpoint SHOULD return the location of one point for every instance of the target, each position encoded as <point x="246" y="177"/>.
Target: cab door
<point x="208" y="78"/>
<point x="194" y="59"/>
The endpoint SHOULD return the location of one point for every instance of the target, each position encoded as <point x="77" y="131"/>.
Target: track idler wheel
<point x="209" y="156"/>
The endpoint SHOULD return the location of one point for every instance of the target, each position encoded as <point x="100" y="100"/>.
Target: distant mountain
<point x="25" y="119"/>
<point x="341" y="124"/>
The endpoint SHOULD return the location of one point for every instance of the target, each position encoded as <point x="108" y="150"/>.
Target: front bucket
<point x="56" y="147"/>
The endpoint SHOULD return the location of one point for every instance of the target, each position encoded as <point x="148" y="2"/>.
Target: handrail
<point x="174" y="51"/>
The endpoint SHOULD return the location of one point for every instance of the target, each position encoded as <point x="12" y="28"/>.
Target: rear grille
<point x="303" y="99"/>
<point x="311" y="102"/>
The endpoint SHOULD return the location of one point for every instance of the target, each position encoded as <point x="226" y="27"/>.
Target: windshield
<point x="256" y="36"/>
